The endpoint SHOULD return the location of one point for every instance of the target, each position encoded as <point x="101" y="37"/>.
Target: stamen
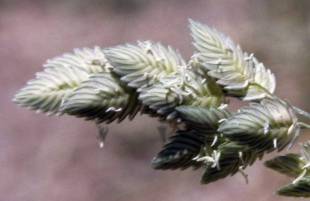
<point x="266" y="128"/>
<point x="245" y="175"/>
<point x="275" y="143"/>
<point x="214" y="140"/>
<point x="162" y="130"/>
<point x="114" y="109"/>
<point x="102" y="134"/>
<point x="203" y="81"/>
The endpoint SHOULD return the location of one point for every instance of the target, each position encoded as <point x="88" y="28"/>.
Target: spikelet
<point x="161" y="78"/>
<point x="300" y="188"/>
<point x="231" y="159"/>
<point x="183" y="88"/>
<point x="92" y="60"/>
<point x="179" y="151"/>
<point x="46" y="92"/>
<point x="290" y="164"/>
<point x="206" y="119"/>
<point x="296" y="166"/>
<point x="221" y="157"/>
<point x="143" y="64"/>
<point x="239" y="73"/>
<point x="59" y="78"/>
<point x="263" y="127"/>
<point x="186" y="145"/>
<point x="102" y="98"/>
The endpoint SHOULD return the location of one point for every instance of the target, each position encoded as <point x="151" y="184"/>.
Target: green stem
<point x="301" y="112"/>
<point x="303" y="125"/>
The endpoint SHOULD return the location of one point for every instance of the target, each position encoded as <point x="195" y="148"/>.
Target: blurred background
<point x="50" y="158"/>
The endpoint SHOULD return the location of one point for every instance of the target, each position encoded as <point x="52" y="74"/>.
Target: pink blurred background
<point x="58" y="159"/>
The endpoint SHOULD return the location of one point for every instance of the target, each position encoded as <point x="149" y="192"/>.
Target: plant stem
<point x="304" y="125"/>
<point x="301" y="112"/>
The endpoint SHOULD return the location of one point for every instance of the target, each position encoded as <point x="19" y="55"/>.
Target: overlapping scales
<point x="221" y="157"/>
<point x="239" y="73"/>
<point x="59" y="78"/>
<point x="263" y="127"/>
<point x="161" y="78"/>
<point x="290" y="164"/>
<point x="46" y="92"/>
<point x="144" y="64"/>
<point x="179" y="152"/>
<point x="296" y="166"/>
<point x="102" y="98"/>
<point x="154" y="79"/>
<point x="184" y="147"/>
<point x="231" y="159"/>
<point x="300" y="188"/>
<point x="90" y="59"/>
<point x="203" y="118"/>
<point x="183" y="88"/>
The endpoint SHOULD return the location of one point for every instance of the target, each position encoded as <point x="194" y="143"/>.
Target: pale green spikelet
<point x="162" y="78"/>
<point x="183" y="88"/>
<point x="143" y="64"/>
<point x="46" y="92"/>
<point x="102" y="98"/>
<point x="59" y="78"/>
<point x="239" y="73"/>
<point x="264" y="126"/>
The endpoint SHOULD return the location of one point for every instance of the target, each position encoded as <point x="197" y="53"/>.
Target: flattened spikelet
<point x="59" y="78"/>
<point x="179" y="151"/>
<point x="239" y="73"/>
<point x="203" y="118"/>
<point x="290" y="164"/>
<point x="46" y="92"/>
<point x="91" y="60"/>
<point x="180" y="89"/>
<point x="297" y="166"/>
<point x="264" y="127"/>
<point x="233" y="157"/>
<point x="143" y="64"/>
<point x="299" y="189"/>
<point x="102" y="98"/>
